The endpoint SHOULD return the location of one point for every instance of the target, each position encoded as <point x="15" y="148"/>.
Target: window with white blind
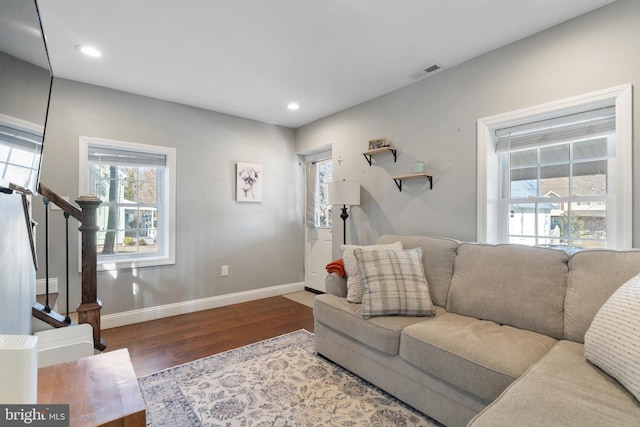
<point x="136" y="183"/>
<point x="558" y="175"/>
<point x="20" y="148"/>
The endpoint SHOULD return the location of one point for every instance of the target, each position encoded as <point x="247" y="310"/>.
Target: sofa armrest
<point x="336" y="285"/>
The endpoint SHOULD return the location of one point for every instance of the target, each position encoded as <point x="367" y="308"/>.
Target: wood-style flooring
<point x="163" y="343"/>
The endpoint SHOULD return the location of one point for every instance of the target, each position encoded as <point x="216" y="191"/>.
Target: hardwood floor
<point x="163" y="343"/>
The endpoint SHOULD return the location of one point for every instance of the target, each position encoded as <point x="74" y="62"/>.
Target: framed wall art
<point x="377" y="143"/>
<point x="249" y="181"/>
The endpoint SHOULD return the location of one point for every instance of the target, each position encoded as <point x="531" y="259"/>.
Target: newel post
<point x="89" y="308"/>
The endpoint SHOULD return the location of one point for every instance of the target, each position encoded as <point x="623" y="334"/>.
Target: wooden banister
<point x="59" y="202"/>
<point x="90" y="306"/>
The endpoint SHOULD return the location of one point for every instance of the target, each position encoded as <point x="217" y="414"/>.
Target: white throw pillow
<point x="354" y="287"/>
<point x="394" y="283"/>
<point x="613" y="340"/>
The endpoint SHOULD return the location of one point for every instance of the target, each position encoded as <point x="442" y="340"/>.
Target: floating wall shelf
<point x="398" y="179"/>
<point x="369" y="153"/>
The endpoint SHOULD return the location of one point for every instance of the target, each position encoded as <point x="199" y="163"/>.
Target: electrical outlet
<point x="224" y="271"/>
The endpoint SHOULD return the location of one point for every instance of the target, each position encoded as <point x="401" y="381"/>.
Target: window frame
<point x="490" y="221"/>
<point x="166" y="254"/>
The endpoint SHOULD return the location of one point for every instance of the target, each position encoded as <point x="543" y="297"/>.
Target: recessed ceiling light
<point x="293" y="106"/>
<point x="89" y="50"/>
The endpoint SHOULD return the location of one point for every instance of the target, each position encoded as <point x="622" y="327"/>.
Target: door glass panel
<point x="323" y="214"/>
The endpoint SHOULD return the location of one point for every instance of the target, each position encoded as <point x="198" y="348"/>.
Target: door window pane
<point x="323" y="214"/>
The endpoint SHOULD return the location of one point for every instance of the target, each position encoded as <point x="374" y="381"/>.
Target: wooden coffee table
<point x="101" y="390"/>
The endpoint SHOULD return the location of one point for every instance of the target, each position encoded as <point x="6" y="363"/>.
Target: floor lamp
<point x="345" y="193"/>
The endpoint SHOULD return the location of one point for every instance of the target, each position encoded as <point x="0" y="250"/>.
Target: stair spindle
<point x="66" y="223"/>
<point x="47" y="308"/>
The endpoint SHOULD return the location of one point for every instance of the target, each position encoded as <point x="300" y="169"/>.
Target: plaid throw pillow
<point x="354" y="286"/>
<point x="394" y="283"/>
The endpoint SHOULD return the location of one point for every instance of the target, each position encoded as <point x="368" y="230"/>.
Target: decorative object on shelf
<point x="398" y="179"/>
<point x="418" y="167"/>
<point x="345" y="193"/>
<point x="248" y="182"/>
<point x="377" y="143"/>
<point x="369" y="153"/>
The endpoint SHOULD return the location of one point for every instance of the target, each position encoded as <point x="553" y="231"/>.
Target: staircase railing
<point x="90" y="306"/>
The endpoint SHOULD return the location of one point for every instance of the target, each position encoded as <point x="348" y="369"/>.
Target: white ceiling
<point x="250" y="58"/>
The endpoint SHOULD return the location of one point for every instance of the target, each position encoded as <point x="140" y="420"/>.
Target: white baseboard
<point x="41" y="286"/>
<point x="152" y="313"/>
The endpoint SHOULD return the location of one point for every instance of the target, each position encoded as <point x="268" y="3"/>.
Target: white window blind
<point x="20" y="138"/>
<point x="556" y="130"/>
<point x="119" y="157"/>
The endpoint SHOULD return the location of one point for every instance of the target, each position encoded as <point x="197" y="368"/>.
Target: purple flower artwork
<point x="248" y="182"/>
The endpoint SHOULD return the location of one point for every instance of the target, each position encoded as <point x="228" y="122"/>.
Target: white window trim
<point x="489" y="219"/>
<point x="169" y="250"/>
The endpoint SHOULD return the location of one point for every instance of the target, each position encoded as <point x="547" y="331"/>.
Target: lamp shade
<point x="344" y="193"/>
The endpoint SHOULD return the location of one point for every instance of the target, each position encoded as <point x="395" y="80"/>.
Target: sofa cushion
<point x="520" y="286"/>
<point x="354" y="286"/>
<point x="379" y="333"/>
<point x="438" y="255"/>
<point x="477" y="356"/>
<point x="613" y="339"/>
<point x="393" y="283"/>
<point x="593" y="276"/>
<point x="562" y="389"/>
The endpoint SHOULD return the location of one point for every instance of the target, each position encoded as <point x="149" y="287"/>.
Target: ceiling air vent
<point x="425" y="72"/>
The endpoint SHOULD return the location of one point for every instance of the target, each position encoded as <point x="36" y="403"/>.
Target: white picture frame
<point x="249" y="181"/>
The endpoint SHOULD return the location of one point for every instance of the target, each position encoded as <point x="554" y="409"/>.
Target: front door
<point x="318" y="234"/>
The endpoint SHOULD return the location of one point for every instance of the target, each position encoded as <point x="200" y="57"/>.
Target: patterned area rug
<point x="278" y="382"/>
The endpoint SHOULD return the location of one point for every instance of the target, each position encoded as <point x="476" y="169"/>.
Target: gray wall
<point x="260" y="242"/>
<point x="434" y="120"/>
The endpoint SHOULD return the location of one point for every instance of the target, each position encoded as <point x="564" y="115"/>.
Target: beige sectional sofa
<point x="505" y="347"/>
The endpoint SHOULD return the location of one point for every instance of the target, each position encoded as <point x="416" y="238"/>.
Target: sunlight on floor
<point x="303" y="297"/>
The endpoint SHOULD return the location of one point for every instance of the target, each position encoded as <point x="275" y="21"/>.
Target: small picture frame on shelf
<point x="377" y="143"/>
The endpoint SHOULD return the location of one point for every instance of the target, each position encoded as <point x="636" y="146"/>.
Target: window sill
<point x="123" y="264"/>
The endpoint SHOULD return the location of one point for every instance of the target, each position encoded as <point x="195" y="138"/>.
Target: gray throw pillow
<point x="394" y="283"/>
<point x="613" y="340"/>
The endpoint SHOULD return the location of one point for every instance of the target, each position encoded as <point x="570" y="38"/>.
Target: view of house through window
<point x="134" y="218"/>
<point x="128" y="217"/>
<point x="558" y="194"/>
